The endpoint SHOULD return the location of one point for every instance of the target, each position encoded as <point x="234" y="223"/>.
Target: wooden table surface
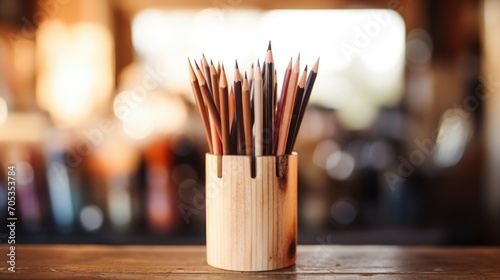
<point x="188" y="262"/>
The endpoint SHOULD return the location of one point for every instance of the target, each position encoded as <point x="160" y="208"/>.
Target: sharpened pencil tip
<point x="315" y="66"/>
<point x="190" y="65"/>
<point x="245" y="75"/>
<point x="211" y="62"/>
<point x="305" y="68"/>
<point x="236" y="64"/>
<point x="258" y="63"/>
<point x="196" y="64"/>
<point x="269" y="46"/>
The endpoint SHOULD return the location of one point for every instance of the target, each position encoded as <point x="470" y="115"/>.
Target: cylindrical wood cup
<point x="251" y="221"/>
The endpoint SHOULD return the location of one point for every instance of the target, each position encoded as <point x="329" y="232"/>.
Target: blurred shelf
<point x="347" y="237"/>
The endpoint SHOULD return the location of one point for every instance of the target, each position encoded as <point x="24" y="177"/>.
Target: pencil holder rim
<point x="263" y="156"/>
<point x="280" y="162"/>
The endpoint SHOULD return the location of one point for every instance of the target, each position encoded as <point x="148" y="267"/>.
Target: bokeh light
<point x="343" y="211"/>
<point x="340" y="165"/>
<point x="4" y="111"/>
<point x="91" y="217"/>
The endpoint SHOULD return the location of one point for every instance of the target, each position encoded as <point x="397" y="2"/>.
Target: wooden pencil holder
<point x="251" y="221"/>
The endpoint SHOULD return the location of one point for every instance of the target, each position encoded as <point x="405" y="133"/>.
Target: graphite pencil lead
<point x="258" y="63"/>
<point x="245" y="82"/>
<point x="196" y="64"/>
<point x="269" y="46"/>
<point x="236" y="63"/>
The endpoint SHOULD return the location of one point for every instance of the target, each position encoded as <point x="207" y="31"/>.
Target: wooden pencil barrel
<point x="251" y="222"/>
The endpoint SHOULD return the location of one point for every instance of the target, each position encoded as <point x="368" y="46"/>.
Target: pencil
<point x="288" y="103"/>
<point x="208" y="100"/>
<point x="231" y="104"/>
<point x="201" y="106"/>
<point x="279" y="109"/>
<point x="246" y="117"/>
<point x="215" y="137"/>
<point x="268" y="101"/>
<point x="238" y="98"/>
<point x="295" y="113"/>
<point x="216" y="143"/>
<point x="275" y="90"/>
<point x="233" y="132"/>
<point x="250" y="80"/>
<point x="305" y="100"/>
<point x="258" y="110"/>
<point x="206" y="72"/>
<point x="250" y="86"/>
<point x="214" y="77"/>
<point x="275" y="107"/>
<point x="284" y="87"/>
<point x="224" y="111"/>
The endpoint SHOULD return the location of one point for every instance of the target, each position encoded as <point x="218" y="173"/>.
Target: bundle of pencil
<point x="247" y="117"/>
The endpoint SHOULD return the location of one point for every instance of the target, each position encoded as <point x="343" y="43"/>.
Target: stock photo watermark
<point x="425" y="147"/>
<point x="365" y="34"/>
<point x="193" y="207"/>
<point x="46" y="10"/>
<point x="11" y="217"/>
<point x="196" y="204"/>
<point x="131" y="99"/>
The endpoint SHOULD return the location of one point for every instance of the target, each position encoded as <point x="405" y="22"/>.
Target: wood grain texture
<point x="251" y="222"/>
<point x="313" y="262"/>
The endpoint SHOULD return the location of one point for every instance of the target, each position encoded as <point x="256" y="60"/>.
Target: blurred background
<point x="400" y="143"/>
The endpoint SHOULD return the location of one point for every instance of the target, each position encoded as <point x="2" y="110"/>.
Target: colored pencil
<point x="247" y="116"/>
